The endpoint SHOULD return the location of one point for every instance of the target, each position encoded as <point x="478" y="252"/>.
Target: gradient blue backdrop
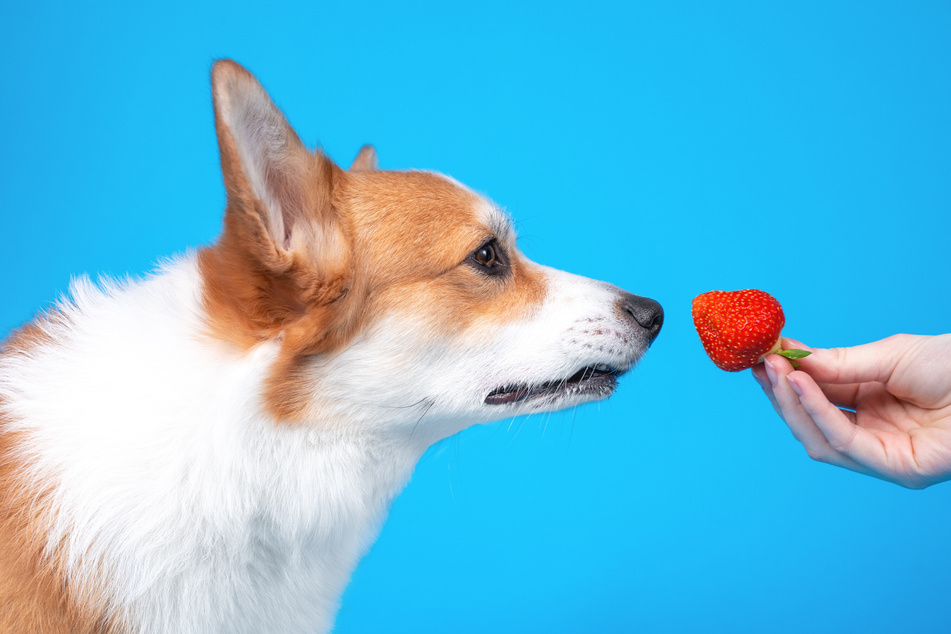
<point x="668" y="147"/>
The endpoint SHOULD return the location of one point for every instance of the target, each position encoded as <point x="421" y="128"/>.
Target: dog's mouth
<point x="595" y="380"/>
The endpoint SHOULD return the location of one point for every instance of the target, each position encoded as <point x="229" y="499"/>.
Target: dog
<point x="214" y="447"/>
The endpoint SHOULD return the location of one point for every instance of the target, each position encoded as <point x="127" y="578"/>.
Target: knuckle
<point x="838" y="359"/>
<point x="838" y="354"/>
<point x="843" y="444"/>
<point x="839" y="446"/>
<point x="900" y="339"/>
<point x="819" y="454"/>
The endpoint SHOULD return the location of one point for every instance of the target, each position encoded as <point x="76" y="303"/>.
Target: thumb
<point x="858" y="364"/>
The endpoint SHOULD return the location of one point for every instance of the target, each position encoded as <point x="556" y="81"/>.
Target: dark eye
<point x="486" y="255"/>
<point x="489" y="258"/>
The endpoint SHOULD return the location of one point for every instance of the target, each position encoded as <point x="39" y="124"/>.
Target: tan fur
<point x="413" y="232"/>
<point x="34" y="595"/>
<point x="29" y="335"/>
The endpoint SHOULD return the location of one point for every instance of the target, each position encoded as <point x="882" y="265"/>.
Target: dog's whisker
<point x="425" y="411"/>
<point x="412" y="405"/>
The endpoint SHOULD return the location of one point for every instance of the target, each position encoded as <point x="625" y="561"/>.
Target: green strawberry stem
<point x="794" y="354"/>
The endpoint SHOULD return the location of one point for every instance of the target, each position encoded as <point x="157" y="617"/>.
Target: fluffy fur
<point x="212" y="449"/>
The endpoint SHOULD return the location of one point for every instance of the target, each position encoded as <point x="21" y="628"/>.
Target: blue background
<point x="670" y="148"/>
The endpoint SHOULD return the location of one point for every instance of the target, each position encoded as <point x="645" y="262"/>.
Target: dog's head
<point x="395" y="298"/>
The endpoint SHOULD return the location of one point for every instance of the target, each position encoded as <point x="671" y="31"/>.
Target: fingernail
<point x="794" y="384"/>
<point x="770" y="372"/>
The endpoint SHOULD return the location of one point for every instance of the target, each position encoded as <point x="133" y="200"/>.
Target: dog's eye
<point x="489" y="258"/>
<point x="486" y="255"/>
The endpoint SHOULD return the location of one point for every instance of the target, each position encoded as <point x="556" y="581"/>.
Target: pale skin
<point x="882" y="409"/>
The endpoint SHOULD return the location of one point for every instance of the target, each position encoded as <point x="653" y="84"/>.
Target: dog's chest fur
<point x="214" y="518"/>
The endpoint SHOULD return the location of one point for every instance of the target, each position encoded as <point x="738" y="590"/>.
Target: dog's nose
<point x="644" y="311"/>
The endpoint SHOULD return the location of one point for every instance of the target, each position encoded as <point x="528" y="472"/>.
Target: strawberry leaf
<point x="794" y="354"/>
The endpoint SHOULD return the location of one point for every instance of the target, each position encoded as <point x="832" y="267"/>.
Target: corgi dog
<point x="214" y="447"/>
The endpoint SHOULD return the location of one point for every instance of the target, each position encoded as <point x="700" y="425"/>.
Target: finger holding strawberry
<point x="881" y="409"/>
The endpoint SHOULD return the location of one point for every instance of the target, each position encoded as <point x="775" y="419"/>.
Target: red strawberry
<point x="739" y="328"/>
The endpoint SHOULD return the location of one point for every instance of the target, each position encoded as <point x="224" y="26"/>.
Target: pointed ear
<point x="272" y="180"/>
<point x="366" y="160"/>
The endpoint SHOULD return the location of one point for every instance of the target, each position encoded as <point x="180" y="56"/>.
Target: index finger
<point x="858" y="364"/>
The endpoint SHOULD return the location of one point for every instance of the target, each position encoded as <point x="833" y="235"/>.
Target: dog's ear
<point x="366" y="160"/>
<point x="284" y="255"/>
<point x="272" y="180"/>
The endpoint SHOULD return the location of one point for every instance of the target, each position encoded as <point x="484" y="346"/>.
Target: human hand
<point x="895" y="395"/>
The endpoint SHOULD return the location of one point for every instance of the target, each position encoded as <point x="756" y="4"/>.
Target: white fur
<point x="197" y="512"/>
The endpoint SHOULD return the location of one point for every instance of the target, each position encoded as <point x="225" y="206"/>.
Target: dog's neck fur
<point x="198" y="489"/>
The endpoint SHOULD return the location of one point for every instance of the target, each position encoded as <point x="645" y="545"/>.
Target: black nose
<point x="647" y="313"/>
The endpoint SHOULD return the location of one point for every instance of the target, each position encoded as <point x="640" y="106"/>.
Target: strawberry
<point x="739" y="328"/>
